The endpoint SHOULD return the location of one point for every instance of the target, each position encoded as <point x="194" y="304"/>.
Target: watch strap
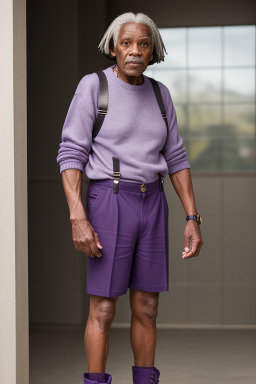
<point x="197" y="218"/>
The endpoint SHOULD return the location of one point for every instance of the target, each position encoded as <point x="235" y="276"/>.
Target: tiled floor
<point x="182" y="356"/>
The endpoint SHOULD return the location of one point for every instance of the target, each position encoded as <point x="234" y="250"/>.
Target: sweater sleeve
<point x="76" y="137"/>
<point x="174" y="151"/>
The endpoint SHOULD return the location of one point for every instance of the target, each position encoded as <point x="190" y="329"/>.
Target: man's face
<point x="134" y="49"/>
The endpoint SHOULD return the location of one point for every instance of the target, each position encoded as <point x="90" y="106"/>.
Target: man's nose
<point x="135" y="50"/>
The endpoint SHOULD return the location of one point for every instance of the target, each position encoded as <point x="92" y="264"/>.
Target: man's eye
<point x="127" y="42"/>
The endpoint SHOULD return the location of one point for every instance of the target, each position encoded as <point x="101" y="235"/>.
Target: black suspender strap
<point x="160" y="102"/>
<point x="116" y="173"/>
<point x="102" y="102"/>
<point x="163" y="112"/>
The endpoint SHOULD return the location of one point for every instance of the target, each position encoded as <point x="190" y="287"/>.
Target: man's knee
<point x="146" y="307"/>
<point x="103" y="311"/>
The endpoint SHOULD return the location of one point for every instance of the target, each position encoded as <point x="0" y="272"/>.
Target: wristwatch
<point x="197" y="218"/>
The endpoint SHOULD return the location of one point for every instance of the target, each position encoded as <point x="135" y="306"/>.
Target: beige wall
<point x="14" y="360"/>
<point x="216" y="288"/>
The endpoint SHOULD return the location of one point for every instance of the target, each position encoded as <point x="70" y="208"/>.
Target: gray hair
<point x="111" y="36"/>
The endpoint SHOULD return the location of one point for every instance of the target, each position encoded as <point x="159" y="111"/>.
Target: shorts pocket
<point x="93" y="194"/>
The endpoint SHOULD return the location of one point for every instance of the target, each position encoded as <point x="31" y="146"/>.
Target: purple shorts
<point x="132" y="227"/>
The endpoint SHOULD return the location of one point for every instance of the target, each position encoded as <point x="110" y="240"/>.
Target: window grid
<point x="188" y="136"/>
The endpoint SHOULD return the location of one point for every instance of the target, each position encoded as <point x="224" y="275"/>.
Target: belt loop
<point x="116" y="174"/>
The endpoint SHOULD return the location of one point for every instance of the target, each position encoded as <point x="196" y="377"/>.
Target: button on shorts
<point x="132" y="227"/>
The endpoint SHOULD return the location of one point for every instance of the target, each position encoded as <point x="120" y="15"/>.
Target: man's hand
<point x="85" y="238"/>
<point x="182" y="184"/>
<point x="192" y="233"/>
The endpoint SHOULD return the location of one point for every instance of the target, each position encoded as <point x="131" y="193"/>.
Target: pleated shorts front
<point x="132" y="227"/>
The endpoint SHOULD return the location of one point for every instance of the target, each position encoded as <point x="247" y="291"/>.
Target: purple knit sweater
<point x="133" y="130"/>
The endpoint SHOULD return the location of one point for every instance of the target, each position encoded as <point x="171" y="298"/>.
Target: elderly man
<point x="126" y="215"/>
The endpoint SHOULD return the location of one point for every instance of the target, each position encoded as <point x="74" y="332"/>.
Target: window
<point x="210" y="72"/>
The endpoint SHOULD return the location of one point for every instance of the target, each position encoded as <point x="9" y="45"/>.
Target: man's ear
<point x="112" y="49"/>
<point x="113" y="53"/>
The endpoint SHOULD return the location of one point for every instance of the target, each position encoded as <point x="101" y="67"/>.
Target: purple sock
<point x="99" y="377"/>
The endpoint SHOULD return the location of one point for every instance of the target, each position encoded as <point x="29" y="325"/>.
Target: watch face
<point x="199" y="219"/>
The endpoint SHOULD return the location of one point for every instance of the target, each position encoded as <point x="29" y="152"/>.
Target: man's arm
<point x="84" y="237"/>
<point x="72" y="184"/>
<point x="182" y="184"/>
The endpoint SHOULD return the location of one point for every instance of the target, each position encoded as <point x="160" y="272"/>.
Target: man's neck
<point x="135" y="80"/>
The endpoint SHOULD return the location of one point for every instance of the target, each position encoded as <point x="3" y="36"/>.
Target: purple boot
<point x="145" y="375"/>
<point x="105" y="378"/>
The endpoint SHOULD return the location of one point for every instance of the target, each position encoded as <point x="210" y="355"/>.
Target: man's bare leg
<point x="144" y="306"/>
<point x="96" y="337"/>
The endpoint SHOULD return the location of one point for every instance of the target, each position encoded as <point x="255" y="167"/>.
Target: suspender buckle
<point x="116" y="177"/>
<point x="116" y="174"/>
<point x="102" y="111"/>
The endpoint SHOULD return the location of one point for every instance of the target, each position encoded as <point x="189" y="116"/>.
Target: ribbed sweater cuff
<point x="71" y="165"/>
<point x="178" y="167"/>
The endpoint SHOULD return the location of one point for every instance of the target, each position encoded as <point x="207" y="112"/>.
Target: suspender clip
<point x="161" y="182"/>
<point x="116" y="174"/>
<point x="102" y="111"/>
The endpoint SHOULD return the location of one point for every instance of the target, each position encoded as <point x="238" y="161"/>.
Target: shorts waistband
<point x="129" y="186"/>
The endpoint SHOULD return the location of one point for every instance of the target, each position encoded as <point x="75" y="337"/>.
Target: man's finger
<point x="189" y="254"/>
<point x="97" y="240"/>
<point x="200" y="245"/>
<point x="84" y="248"/>
<point x="95" y="249"/>
<point x="186" y="241"/>
<point x="193" y="251"/>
